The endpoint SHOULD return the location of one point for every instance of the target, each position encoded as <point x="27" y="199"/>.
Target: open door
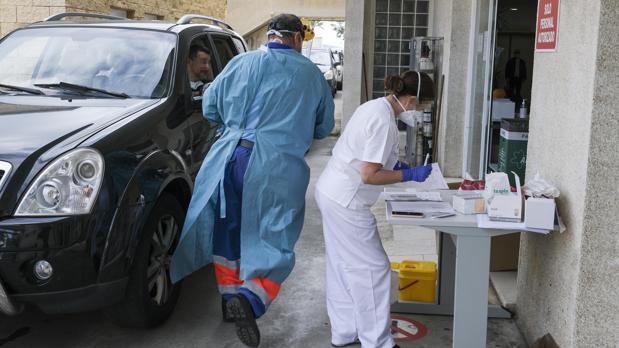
<point x="480" y="88"/>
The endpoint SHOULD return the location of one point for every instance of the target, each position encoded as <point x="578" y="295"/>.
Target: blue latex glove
<point x="401" y="165"/>
<point x="419" y="173"/>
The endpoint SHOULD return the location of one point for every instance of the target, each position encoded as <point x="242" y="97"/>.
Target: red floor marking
<point x="408" y="336"/>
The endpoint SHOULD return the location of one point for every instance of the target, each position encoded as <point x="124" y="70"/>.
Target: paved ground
<point x="296" y="319"/>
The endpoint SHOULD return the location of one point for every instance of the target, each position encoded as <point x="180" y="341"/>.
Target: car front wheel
<point x="151" y="296"/>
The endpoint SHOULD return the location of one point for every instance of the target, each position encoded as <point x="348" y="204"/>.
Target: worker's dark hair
<point x="286" y="21"/>
<point x="195" y="48"/>
<point x="406" y="84"/>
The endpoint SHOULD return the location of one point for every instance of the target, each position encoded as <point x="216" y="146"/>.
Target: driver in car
<point x="198" y="68"/>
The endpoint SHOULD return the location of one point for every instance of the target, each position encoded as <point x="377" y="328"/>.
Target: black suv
<point x="101" y="142"/>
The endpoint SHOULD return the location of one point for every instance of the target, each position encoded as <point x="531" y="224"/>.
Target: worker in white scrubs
<point x="364" y="158"/>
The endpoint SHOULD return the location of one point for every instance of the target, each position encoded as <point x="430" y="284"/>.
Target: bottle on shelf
<point x="419" y="145"/>
<point x="523" y="109"/>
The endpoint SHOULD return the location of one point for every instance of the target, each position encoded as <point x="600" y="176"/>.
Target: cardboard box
<point x="506" y="206"/>
<point x="539" y="213"/>
<point x="469" y="203"/>
<point x="503" y="108"/>
<point x="504" y="252"/>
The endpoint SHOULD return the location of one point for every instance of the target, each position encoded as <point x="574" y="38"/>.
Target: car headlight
<point x="67" y="186"/>
<point x="329" y="75"/>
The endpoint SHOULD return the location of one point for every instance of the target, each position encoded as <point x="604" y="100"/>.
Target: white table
<point x="469" y="291"/>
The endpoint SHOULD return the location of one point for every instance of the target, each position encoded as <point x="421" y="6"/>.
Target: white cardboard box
<point x="469" y="204"/>
<point x="502" y="108"/>
<point x="506" y="207"/>
<point x="539" y="213"/>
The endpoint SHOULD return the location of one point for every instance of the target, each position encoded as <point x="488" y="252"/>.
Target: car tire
<point x="150" y="297"/>
<point x="339" y="85"/>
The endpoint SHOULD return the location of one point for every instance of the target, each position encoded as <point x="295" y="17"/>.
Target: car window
<point x="240" y="47"/>
<point x="135" y="62"/>
<point x="212" y="70"/>
<point x="226" y="50"/>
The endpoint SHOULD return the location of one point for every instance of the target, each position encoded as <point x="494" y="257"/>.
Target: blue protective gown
<point x="297" y="107"/>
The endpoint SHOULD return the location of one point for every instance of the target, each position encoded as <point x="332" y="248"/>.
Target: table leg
<point x="471" y="291"/>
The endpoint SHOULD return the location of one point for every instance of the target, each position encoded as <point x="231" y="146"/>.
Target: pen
<point x="425" y="163"/>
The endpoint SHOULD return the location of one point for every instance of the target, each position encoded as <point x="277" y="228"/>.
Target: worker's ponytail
<point x="394" y="84"/>
<point x="409" y="84"/>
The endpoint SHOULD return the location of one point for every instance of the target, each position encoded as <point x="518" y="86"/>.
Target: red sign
<point x="547" y="25"/>
<point x="406" y="329"/>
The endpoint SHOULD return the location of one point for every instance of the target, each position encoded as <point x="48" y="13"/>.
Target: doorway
<point x="512" y="69"/>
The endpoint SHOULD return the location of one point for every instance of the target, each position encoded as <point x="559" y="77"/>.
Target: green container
<point x="513" y="148"/>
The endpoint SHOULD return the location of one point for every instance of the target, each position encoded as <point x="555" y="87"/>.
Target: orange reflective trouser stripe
<point x="227" y="276"/>
<point x="270" y="287"/>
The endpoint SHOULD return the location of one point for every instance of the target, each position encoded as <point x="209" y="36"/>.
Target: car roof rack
<point x="60" y="16"/>
<point x="187" y="19"/>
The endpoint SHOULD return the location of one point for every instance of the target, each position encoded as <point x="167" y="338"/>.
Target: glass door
<point x="479" y="92"/>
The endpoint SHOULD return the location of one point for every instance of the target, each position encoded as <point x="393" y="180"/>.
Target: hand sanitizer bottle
<point x="523" y="109"/>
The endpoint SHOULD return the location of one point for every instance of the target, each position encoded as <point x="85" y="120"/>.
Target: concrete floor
<point x="298" y="318"/>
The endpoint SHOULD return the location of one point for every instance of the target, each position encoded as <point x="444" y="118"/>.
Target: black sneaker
<point x="225" y="315"/>
<point x="241" y="312"/>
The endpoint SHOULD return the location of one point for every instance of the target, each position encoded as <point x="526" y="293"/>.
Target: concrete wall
<point x="442" y="28"/>
<point x="597" y="309"/>
<point x="358" y="28"/>
<point x="567" y="283"/>
<point x="248" y="15"/>
<point x="256" y="38"/>
<point x="17" y="13"/>
<point x="455" y="63"/>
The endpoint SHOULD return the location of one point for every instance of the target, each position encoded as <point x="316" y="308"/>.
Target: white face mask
<point x="406" y="116"/>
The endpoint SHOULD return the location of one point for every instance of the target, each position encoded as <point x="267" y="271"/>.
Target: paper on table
<point x="412" y="196"/>
<point x="484" y="221"/>
<point x="435" y="181"/>
<point x="425" y="207"/>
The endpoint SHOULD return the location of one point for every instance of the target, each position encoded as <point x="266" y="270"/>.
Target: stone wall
<point x="169" y="10"/>
<point x="17" y="13"/>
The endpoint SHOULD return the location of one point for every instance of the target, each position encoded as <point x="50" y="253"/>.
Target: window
<point x="206" y="73"/>
<point x="225" y="49"/>
<point x="396" y="23"/>
<point x="103" y="58"/>
<point x="152" y="17"/>
<point x="240" y="47"/>
<point x="119" y="12"/>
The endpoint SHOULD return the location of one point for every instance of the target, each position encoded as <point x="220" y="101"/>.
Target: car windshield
<point x="137" y="63"/>
<point x="320" y="57"/>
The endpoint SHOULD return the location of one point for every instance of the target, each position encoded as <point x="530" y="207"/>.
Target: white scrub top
<point x="371" y="135"/>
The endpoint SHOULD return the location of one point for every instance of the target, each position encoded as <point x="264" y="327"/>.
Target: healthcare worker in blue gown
<point x="364" y="158"/>
<point x="248" y="204"/>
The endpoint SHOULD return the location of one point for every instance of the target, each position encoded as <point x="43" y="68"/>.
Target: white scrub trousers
<point x="358" y="276"/>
